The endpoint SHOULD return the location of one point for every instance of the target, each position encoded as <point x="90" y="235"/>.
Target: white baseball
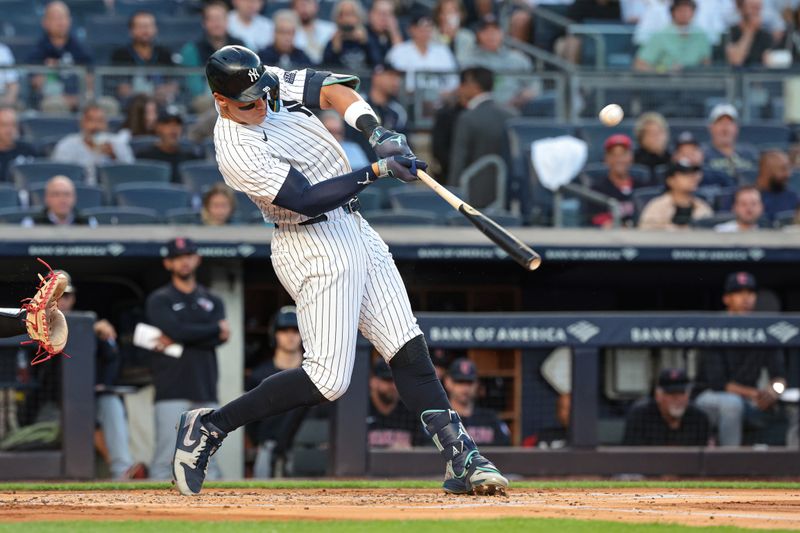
<point x="611" y="115"/>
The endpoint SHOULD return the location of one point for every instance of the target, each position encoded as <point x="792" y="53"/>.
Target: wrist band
<point x="356" y="110"/>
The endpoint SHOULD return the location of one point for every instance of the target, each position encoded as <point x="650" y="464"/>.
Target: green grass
<point x="507" y="525"/>
<point x="404" y="484"/>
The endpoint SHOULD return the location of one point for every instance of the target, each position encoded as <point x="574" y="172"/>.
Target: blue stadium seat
<point x="246" y="210"/>
<point x="273" y="6"/>
<point x="384" y="187"/>
<point x="794" y="181"/>
<point x="160" y="197"/>
<point x="643" y="195"/>
<point x="26" y="175"/>
<point x="80" y="10"/>
<point x="122" y="215"/>
<point x="34" y="128"/>
<point x="504" y="218"/>
<point x="370" y="200"/>
<point x="21" y="46"/>
<point x="764" y="135"/>
<point x="199" y="176"/>
<point x="179" y="30"/>
<point x="139" y="143"/>
<point x="185" y="215"/>
<point x="106" y="29"/>
<point x="784" y="218"/>
<point x="420" y="198"/>
<point x="19" y="28"/>
<point x="15" y="215"/>
<point x="543" y="106"/>
<point x="9" y="197"/>
<point x="14" y="10"/>
<point x="126" y="8"/>
<point x="86" y="196"/>
<point x="402" y="217"/>
<point x="113" y="175"/>
<point x="724" y="199"/>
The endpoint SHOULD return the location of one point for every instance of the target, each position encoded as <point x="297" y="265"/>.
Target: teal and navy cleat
<point x="197" y="441"/>
<point x="467" y="471"/>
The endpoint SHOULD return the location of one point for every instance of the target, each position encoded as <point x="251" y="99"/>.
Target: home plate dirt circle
<point x="769" y="508"/>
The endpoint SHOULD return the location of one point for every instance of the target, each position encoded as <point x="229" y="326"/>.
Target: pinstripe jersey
<point x="255" y="159"/>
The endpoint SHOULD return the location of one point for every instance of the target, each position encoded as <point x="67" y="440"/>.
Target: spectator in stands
<point x="729" y="377"/>
<point x="389" y="423"/>
<point x="748" y="42"/>
<point x="93" y="145"/>
<point x="483" y="425"/>
<point x="747" y="208"/>
<point x="382" y="97"/>
<point x="215" y="36"/>
<point x="59" y="206"/>
<point x="569" y="46"/>
<point x="219" y="205"/>
<point x="283" y="53"/>
<point x="143" y="51"/>
<point x="421" y="52"/>
<point x="688" y="148"/>
<point x="12" y="150"/>
<point x="667" y="419"/>
<point x="383" y="30"/>
<point x="9" y="79"/>
<point x="449" y="15"/>
<point x="247" y="24"/>
<point x="618" y="183"/>
<point x="678" y="207"/>
<point x="652" y="136"/>
<point x="677" y="46"/>
<point x="490" y="52"/>
<point x="713" y="17"/>
<point x="274" y="435"/>
<point x="58" y="47"/>
<point x="141" y="115"/>
<point x="722" y="154"/>
<point x="479" y="131"/>
<point x="313" y="33"/>
<point x="168" y="148"/>
<point x="349" y="47"/>
<point x="334" y="123"/>
<point x="109" y="409"/>
<point x="773" y="178"/>
<point x="189" y="315"/>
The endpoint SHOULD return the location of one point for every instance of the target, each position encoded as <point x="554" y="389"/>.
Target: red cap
<point x="618" y="139"/>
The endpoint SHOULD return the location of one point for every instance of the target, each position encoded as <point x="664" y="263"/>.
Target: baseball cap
<point x="420" y="16"/>
<point x="381" y="370"/>
<point x="385" y="68"/>
<point x="462" y="369"/>
<point x="70" y="289"/>
<point x="682" y="166"/>
<point x="169" y="115"/>
<point x="686" y="137"/>
<point x="673" y="380"/>
<point x="722" y="110"/>
<point x="618" y="139"/>
<point x="286" y="317"/>
<point x="676" y="3"/>
<point x="740" y="281"/>
<point x="181" y="246"/>
<point x="487" y="20"/>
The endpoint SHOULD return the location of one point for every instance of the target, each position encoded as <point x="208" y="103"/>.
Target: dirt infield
<point x="744" y="508"/>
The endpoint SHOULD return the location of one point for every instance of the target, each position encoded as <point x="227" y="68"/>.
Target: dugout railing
<point x="587" y="334"/>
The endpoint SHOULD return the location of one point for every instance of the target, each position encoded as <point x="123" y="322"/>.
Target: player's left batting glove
<point x="400" y="167"/>
<point x="387" y="143"/>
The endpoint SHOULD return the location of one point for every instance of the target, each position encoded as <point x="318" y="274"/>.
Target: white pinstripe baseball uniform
<point x="339" y="272"/>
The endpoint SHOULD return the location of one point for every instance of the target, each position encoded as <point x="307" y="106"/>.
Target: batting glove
<point x="400" y="167"/>
<point x="387" y="143"/>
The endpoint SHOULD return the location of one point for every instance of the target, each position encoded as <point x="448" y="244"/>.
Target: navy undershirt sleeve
<point x="298" y="195"/>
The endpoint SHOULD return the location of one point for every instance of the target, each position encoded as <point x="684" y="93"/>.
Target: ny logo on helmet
<point x="252" y="74"/>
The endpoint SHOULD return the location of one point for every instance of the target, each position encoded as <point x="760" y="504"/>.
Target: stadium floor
<point x="761" y="506"/>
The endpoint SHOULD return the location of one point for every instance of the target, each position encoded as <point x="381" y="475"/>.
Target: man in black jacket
<point x="189" y="315"/>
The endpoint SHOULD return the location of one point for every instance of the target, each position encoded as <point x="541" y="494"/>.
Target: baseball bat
<point x="518" y="250"/>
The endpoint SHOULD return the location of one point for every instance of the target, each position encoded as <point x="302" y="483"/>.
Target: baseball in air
<point x="611" y="115"/>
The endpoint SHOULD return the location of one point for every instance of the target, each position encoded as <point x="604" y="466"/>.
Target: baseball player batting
<point x="337" y="269"/>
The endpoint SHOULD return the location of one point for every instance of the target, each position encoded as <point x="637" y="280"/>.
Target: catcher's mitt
<point x="45" y="323"/>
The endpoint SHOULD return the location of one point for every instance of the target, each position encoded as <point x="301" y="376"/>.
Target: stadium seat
<point x="87" y="196"/>
<point x="643" y="195"/>
<point x="140" y="143"/>
<point x="35" y="128"/>
<point x="724" y="199"/>
<point x="113" y="175"/>
<point x="710" y="222"/>
<point x="186" y="215"/>
<point x="246" y="210"/>
<point x="179" y="29"/>
<point x="764" y="135"/>
<point x="199" y="176"/>
<point x="421" y="198"/>
<point x="504" y="218"/>
<point x="106" y="29"/>
<point x="542" y="106"/>
<point x="80" y="10"/>
<point x="26" y="175"/>
<point x="370" y="200"/>
<point x="784" y="218"/>
<point x="598" y="171"/>
<point x="401" y="217"/>
<point x="121" y="215"/>
<point x="384" y="187"/>
<point x="14" y="10"/>
<point x="794" y="181"/>
<point x="126" y="8"/>
<point x="15" y="215"/>
<point x="161" y="197"/>
<point x="9" y="197"/>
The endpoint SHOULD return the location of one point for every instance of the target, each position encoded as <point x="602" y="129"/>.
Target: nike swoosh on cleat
<point x="190" y="424"/>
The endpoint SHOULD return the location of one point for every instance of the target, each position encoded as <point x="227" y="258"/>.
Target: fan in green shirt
<point x="677" y="46"/>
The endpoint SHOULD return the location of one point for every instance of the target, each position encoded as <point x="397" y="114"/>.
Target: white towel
<point x="557" y="160"/>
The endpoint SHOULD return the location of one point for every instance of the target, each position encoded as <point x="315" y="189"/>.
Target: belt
<point x="352" y="206"/>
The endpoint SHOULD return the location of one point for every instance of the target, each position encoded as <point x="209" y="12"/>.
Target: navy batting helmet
<point x="237" y="73"/>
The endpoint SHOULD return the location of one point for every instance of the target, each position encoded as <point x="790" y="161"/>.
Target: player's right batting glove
<point x="400" y="167"/>
<point x="387" y="143"/>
